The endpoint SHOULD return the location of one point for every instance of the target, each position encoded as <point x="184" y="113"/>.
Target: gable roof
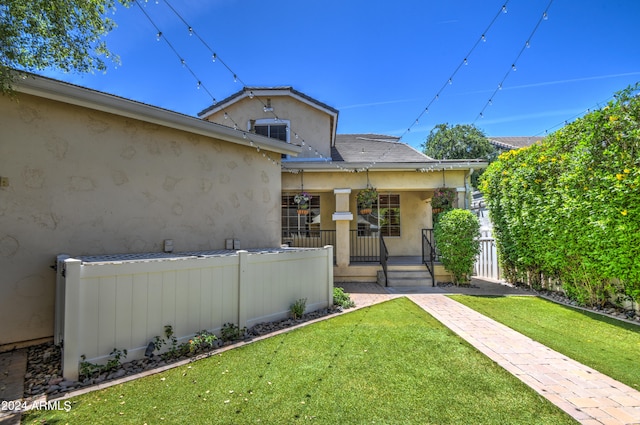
<point x="266" y="92"/>
<point x="513" y="142"/>
<point x="92" y="99"/>
<point x="258" y="91"/>
<point x="374" y="147"/>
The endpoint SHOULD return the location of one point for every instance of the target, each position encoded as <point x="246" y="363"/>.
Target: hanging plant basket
<point x="443" y="199"/>
<point x="302" y="200"/>
<point x="366" y="198"/>
<point x="437" y="210"/>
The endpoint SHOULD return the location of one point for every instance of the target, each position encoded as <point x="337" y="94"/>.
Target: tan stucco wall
<point x="87" y="182"/>
<point x="312" y="125"/>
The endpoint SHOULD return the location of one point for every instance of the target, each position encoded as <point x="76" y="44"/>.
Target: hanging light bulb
<point x="527" y="44"/>
<point x="450" y="81"/>
<point x="199" y="84"/>
<point x="466" y="62"/>
<point x="490" y="102"/>
<point x="545" y="16"/>
<point x="235" y="78"/>
<point x="504" y="8"/>
<point x="190" y="31"/>
<point x="158" y="35"/>
<point x="481" y="115"/>
<point x="214" y="57"/>
<point x="251" y="95"/>
<point x="484" y="38"/>
<point x="513" y="67"/>
<point x="226" y="116"/>
<point x="182" y="62"/>
<point x="235" y="126"/>
<point x="500" y="86"/>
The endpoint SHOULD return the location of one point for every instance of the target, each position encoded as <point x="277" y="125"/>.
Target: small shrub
<point x="457" y="236"/>
<point x="297" y="308"/>
<point x="342" y="299"/>
<point x="89" y="369"/>
<point x="203" y="341"/>
<point x="232" y="332"/>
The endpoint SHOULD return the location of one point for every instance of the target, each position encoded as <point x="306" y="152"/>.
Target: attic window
<point x="274" y="131"/>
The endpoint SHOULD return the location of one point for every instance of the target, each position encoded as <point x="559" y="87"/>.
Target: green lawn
<point x="608" y="345"/>
<point x="391" y="363"/>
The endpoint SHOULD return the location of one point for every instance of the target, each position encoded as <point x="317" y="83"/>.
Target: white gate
<point x="486" y="266"/>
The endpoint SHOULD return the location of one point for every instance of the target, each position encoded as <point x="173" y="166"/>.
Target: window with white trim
<point x="384" y="217"/>
<point x="294" y="224"/>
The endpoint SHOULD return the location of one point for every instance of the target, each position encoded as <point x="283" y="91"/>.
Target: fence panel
<point x="125" y="304"/>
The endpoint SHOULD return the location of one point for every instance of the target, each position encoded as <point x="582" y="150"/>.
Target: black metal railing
<point x="311" y="239"/>
<point x="363" y="248"/>
<point x="429" y="252"/>
<point x="384" y="256"/>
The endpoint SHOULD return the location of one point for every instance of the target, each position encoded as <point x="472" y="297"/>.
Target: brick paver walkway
<point x="584" y="393"/>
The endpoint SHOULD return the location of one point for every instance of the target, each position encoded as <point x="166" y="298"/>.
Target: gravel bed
<point x="44" y="362"/>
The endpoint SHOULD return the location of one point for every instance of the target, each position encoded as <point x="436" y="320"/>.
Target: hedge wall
<point x="568" y="208"/>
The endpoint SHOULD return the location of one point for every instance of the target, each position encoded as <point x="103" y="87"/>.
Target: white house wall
<point x="81" y="181"/>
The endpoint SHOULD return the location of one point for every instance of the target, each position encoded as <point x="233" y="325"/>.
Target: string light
<point x="465" y="61"/>
<point x="515" y="61"/>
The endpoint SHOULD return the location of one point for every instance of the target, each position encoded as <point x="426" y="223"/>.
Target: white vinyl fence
<point x="103" y="303"/>
<point x="486" y="266"/>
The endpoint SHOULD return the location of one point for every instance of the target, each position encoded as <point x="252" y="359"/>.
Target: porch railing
<point x="384" y="256"/>
<point x="364" y="248"/>
<point x="429" y="252"/>
<point x="311" y="239"/>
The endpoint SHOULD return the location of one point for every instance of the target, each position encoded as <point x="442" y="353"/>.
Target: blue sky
<point x="381" y="63"/>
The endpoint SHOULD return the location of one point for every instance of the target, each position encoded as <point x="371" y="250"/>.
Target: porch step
<point x="408" y="276"/>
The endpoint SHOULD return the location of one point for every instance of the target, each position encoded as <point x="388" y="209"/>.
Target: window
<point x="300" y="225"/>
<point x="389" y="214"/>
<point x="274" y="131"/>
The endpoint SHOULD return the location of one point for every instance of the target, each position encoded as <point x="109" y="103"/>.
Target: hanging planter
<point x="443" y="199"/>
<point x="366" y="198"/>
<point x="302" y="200"/>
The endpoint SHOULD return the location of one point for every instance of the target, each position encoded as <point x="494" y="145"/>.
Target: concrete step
<point x="405" y="276"/>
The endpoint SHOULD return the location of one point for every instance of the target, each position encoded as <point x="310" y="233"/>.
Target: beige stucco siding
<point x="87" y="182"/>
<point x="313" y="126"/>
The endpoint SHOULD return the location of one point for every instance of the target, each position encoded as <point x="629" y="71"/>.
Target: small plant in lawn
<point x="297" y="308"/>
<point x="342" y="299"/>
<point x="232" y="332"/>
<point x="457" y="236"/>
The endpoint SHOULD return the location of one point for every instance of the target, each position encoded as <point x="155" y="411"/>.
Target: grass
<point x="391" y="363"/>
<point x="608" y="345"/>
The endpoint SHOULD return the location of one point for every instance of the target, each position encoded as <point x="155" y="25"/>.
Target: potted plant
<point x="366" y="198"/>
<point x="302" y="200"/>
<point x="443" y="199"/>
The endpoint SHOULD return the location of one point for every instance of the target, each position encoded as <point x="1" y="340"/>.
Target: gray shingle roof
<point x="514" y="142"/>
<point x="374" y="147"/>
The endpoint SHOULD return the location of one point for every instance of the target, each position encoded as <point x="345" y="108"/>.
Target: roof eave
<point x="426" y="166"/>
<point x="81" y="96"/>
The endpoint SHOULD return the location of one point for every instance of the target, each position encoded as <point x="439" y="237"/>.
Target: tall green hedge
<point x="569" y="207"/>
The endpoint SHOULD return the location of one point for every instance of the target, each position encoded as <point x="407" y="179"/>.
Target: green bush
<point x="342" y="299"/>
<point x="457" y="236"/>
<point x="569" y="207"/>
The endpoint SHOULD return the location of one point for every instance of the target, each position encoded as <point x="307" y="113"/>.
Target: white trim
<point x="337" y="191"/>
<point x="340" y="216"/>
